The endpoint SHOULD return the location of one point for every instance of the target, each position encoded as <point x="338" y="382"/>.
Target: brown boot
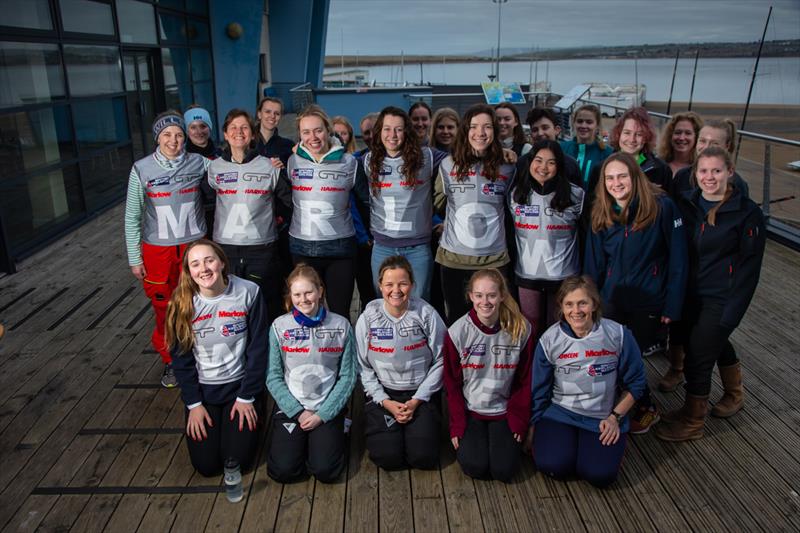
<point x="733" y="399"/>
<point x="688" y="427"/>
<point x="674" y="375"/>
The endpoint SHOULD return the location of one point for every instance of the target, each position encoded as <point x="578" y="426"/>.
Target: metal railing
<point x="302" y="96"/>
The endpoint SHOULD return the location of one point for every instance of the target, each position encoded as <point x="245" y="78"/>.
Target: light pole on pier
<point x="499" y="12"/>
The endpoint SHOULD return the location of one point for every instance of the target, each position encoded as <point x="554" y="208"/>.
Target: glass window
<point x="105" y="177"/>
<point x="174" y="4"/>
<point x="201" y="64"/>
<point x="176" y="65"/>
<point x="33" y="14"/>
<point x="137" y="22"/>
<point x="35" y="205"/>
<point x="99" y="123"/>
<point x="197" y="32"/>
<point x="84" y="16"/>
<point x="204" y="95"/>
<point x="35" y="138"/>
<point x="179" y="97"/>
<point x="173" y="28"/>
<point x="29" y="73"/>
<point x="93" y="69"/>
<point x="197" y="6"/>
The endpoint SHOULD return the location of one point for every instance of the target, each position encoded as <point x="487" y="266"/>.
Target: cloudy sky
<point x="463" y="26"/>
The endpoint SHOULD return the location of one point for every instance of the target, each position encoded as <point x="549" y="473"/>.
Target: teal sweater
<point x="338" y="396"/>
<point x="589" y="157"/>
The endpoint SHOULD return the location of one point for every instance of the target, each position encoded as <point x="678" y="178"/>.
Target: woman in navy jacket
<point x="636" y="253"/>
<point x="726" y="247"/>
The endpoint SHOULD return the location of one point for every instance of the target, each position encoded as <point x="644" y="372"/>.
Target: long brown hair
<point x="464" y="158"/>
<point x="306" y="272"/>
<point x="665" y="151"/>
<point x="410" y="151"/>
<point x="180" y="309"/>
<point x="518" y="133"/>
<point x="603" y="214"/>
<point x="716" y="151"/>
<point x="511" y="319"/>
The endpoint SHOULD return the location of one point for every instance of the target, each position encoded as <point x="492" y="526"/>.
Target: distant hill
<point x="785" y="48"/>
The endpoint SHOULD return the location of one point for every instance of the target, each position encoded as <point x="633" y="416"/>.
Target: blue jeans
<point x="421" y="259"/>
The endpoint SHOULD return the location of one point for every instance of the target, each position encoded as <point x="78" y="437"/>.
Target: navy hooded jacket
<point x="643" y="270"/>
<point x="724" y="259"/>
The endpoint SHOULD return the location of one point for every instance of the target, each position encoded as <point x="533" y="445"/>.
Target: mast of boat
<point x="752" y="83"/>
<point x="341" y="74"/>
<point x="402" y="69"/>
<point x="694" y="75"/>
<point x="636" y="79"/>
<point x="420" y="72"/>
<point x="444" y="70"/>
<point x="672" y="85"/>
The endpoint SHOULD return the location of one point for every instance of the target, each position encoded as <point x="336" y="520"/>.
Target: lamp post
<point x="499" y="12"/>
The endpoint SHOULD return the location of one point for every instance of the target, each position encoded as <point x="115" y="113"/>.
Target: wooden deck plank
<point x="463" y="511"/>
<point x="294" y="510"/>
<point x="361" y="504"/>
<point x="394" y="501"/>
<point x="497" y="512"/>
<point x="430" y="511"/>
<point x="263" y="500"/>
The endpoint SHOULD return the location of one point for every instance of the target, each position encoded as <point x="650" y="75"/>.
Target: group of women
<point x="601" y="260"/>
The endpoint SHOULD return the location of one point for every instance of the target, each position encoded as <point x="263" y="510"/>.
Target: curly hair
<point x="638" y="114"/>
<point x="464" y="157"/>
<point x="665" y="150"/>
<point x="410" y="151"/>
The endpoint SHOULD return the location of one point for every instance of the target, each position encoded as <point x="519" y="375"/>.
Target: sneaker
<point x="168" y="379"/>
<point x="657" y="348"/>
<point x="643" y="419"/>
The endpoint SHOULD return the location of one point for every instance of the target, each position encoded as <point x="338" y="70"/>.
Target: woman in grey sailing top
<point x="399" y="340"/>
<point x="472" y="185"/>
<point x="321" y="234"/>
<point x="247" y="185"/>
<point x="399" y="172"/>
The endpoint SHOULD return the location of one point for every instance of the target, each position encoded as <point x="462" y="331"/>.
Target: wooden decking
<point x="89" y="441"/>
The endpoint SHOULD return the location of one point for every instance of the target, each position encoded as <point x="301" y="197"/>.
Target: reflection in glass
<point x="173" y="28"/>
<point x="197" y="31"/>
<point x="84" y="16"/>
<point x="179" y="97"/>
<point x="35" y="205"/>
<point x="93" y="69"/>
<point x="29" y="73"/>
<point x="99" y="123"/>
<point x="176" y="65"/>
<point x="174" y="4"/>
<point x="204" y="95"/>
<point x="33" y="14"/>
<point x="137" y="22"/>
<point x="105" y="177"/>
<point x="31" y="139"/>
<point x="201" y="64"/>
<point x="197" y="6"/>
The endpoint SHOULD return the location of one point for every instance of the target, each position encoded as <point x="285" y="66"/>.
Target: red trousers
<point x="163" y="267"/>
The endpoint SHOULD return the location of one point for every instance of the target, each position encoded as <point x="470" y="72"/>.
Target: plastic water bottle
<point x="233" y="480"/>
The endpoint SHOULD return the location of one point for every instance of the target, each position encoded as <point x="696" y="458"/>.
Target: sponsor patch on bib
<point x="157" y="182"/>
<point x="381" y="334"/>
<point x="234" y="328"/>
<point x="601" y="369"/>
<point x="527" y="210"/>
<point x="476" y="350"/>
<point x="226" y="177"/>
<point x="296" y="334"/>
<point x="493" y="189"/>
<point x="303" y="173"/>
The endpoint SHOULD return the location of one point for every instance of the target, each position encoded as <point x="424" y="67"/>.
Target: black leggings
<point x="366" y="290"/>
<point x="394" y="446"/>
<point x="454" y="290"/>
<point x="488" y="450"/>
<point x="224" y="439"/>
<point x="260" y="264"/>
<point x="294" y="453"/>
<point x="708" y="344"/>
<point x="338" y="275"/>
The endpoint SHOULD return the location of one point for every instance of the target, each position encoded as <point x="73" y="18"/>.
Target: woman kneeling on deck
<point x="487" y="357"/>
<point x="216" y="328"/>
<point x="312" y="370"/>
<point x="400" y="342"/>
<point x="580" y="363"/>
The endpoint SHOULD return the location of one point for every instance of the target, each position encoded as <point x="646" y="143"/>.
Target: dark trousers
<point x="260" y="264"/>
<point x="338" y="275"/>
<point x="394" y="446"/>
<point x="563" y="451"/>
<point x="488" y="450"/>
<point x="454" y="290"/>
<point x="294" y="453"/>
<point x="708" y="344"/>
<point x="224" y="439"/>
<point x="366" y="290"/>
<point x="645" y="328"/>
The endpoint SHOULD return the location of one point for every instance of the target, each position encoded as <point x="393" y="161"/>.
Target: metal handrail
<point x="308" y="86"/>
<point x="449" y="95"/>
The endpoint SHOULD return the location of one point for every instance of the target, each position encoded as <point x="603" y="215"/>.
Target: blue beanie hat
<point x="197" y="113"/>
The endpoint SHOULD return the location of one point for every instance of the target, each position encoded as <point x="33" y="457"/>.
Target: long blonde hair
<point x="180" y="309"/>
<point x="603" y="214"/>
<point x="511" y="319"/>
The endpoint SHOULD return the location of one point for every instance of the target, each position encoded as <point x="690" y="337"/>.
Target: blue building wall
<point x="297" y="32"/>
<point x="355" y="103"/>
<point x="236" y="69"/>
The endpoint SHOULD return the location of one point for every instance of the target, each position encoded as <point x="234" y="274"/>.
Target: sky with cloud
<point x="373" y="27"/>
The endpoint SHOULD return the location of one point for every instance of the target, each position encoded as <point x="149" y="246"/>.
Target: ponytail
<point x="712" y="213"/>
<point x="511" y="319"/>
